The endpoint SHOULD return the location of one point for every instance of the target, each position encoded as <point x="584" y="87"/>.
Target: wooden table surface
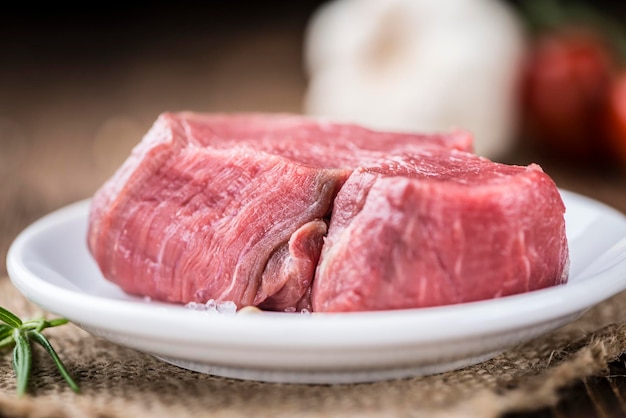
<point x="76" y="93"/>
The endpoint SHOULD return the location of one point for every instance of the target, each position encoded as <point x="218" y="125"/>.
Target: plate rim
<point x="183" y="323"/>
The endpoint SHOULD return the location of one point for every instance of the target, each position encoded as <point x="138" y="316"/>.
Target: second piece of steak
<point x="440" y="228"/>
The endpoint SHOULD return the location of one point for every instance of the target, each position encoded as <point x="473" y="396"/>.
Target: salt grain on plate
<point x="195" y="306"/>
<point x="227" y="308"/>
<point x="213" y="307"/>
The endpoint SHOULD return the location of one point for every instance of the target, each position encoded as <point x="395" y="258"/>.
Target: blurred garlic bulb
<point x="417" y="65"/>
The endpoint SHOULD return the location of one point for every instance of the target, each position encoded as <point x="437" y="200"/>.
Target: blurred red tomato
<point x="567" y="78"/>
<point x="616" y="119"/>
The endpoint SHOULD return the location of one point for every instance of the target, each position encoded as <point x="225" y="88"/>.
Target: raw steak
<point x="437" y="228"/>
<point x="305" y="140"/>
<point x="232" y="207"/>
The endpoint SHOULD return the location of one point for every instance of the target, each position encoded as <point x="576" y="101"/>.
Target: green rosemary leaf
<point x="22" y="361"/>
<point x="41" y="324"/>
<point x="7" y="341"/>
<point x="5" y="330"/>
<point x="32" y="324"/>
<point x="15" y="331"/>
<point x="6" y="335"/>
<point x="9" y="318"/>
<point x="43" y="341"/>
<point x="56" y="322"/>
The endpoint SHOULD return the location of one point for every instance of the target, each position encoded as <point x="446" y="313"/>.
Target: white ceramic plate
<point x="50" y="264"/>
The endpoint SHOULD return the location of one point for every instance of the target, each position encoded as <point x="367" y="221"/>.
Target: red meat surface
<point x="241" y="208"/>
<point x="440" y="228"/>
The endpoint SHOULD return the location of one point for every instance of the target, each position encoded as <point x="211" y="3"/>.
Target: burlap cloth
<point x="119" y="382"/>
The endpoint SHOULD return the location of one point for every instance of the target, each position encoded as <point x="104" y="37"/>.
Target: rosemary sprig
<point x="15" y="331"/>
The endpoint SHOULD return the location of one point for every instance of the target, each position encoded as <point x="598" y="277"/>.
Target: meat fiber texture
<point x="289" y="213"/>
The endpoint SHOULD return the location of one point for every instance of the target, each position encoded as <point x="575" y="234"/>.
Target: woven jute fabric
<point x="120" y="382"/>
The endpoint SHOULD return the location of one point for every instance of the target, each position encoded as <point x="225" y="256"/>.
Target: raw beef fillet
<point x="438" y="228"/>
<point x="232" y="207"/>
